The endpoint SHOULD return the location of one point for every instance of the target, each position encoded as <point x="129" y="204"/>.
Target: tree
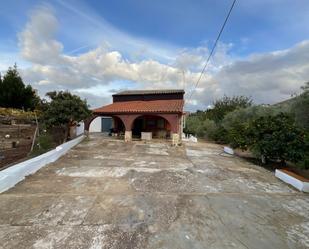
<point x="65" y="110"/>
<point x="301" y="108"/>
<point x="237" y="122"/>
<point x="276" y="138"/>
<point x="14" y="93"/>
<point x="225" y="105"/>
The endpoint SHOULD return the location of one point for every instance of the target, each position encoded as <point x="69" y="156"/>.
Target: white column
<point x="128" y="136"/>
<point x="175" y="139"/>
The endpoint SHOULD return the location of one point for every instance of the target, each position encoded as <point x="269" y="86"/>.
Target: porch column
<point x="128" y="122"/>
<point x="128" y="136"/>
<point x="175" y="139"/>
<point x="174" y="120"/>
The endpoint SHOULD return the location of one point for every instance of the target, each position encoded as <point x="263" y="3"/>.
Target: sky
<point x="96" y="48"/>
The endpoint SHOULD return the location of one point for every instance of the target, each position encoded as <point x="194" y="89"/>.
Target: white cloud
<point x="37" y="40"/>
<point x="268" y="77"/>
<point x="51" y="67"/>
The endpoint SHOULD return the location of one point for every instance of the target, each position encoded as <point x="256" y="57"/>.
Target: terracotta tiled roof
<point x="146" y="92"/>
<point x="153" y="106"/>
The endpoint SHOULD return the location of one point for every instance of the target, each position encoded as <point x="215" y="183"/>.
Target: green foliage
<point x="304" y="163"/>
<point x="225" y="105"/>
<point x="208" y="123"/>
<point x="268" y="131"/>
<point x="65" y="109"/>
<point x="276" y="138"/>
<point x="219" y="134"/>
<point x="10" y="112"/>
<point x="237" y="122"/>
<point x="210" y="128"/>
<point x="43" y="144"/>
<point x="301" y="108"/>
<point x="192" y="123"/>
<point x="14" y="93"/>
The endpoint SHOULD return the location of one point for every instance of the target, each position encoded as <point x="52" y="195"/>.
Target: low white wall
<point x="296" y="183"/>
<point x="228" y="150"/>
<point x="80" y="129"/>
<point x="189" y="138"/>
<point x="96" y="125"/>
<point x="16" y="173"/>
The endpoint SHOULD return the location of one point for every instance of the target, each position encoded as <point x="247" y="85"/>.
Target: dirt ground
<point x="109" y="194"/>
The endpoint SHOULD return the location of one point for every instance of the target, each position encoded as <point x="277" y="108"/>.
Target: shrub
<point x="202" y="128"/>
<point x="193" y="125"/>
<point x="276" y="138"/>
<point x="43" y="144"/>
<point x="236" y="124"/>
<point x="210" y="128"/>
<point x="300" y="108"/>
<point x="304" y="163"/>
<point x="225" y="105"/>
<point x="219" y="135"/>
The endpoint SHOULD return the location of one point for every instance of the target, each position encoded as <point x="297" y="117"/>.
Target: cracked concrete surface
<point x="109" y="194"/>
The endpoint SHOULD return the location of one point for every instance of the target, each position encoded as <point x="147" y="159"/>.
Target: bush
<point x="208" y="123"/>
<point x="304" y="163"/>
<point x="276" y="138"/>
<point x="226" y="105"/>
<point x="43" y="144"/>
<point x="219" y="135"/>
<point x="236" y="124"/>
<point x="210" y="129"/>
<point x="202" y="128"/>
<point x="193" y="125"/>
<point x="300" y="108"/>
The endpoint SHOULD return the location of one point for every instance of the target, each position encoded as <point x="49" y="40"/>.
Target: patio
<point x="106" y="193"/>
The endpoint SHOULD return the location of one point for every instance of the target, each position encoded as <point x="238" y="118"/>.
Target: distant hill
<point x="286" y="104"/>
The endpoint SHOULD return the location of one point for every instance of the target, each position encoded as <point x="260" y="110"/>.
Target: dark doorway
<point x="158" y="126"/>
<point x="137" y="127"/>
<point x="106" y="124"/>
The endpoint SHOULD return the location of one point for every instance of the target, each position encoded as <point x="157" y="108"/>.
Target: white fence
<point x="16" y="173"/>
<point x="189" y="138"/>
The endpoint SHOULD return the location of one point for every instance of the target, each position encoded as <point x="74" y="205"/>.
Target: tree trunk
<point x="66" y="132"/>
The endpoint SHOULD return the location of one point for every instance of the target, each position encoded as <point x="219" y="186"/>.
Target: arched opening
<point x="109" y="125"/>
<point x="157" y="125"/>
<point x="118" y="127"/>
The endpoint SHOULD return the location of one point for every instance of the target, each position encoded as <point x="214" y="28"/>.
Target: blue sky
<point x="94" y="48"/>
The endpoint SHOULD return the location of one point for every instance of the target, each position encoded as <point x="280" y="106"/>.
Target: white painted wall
<point x="80" y="129"/>
<point x="96" y="125"/>
<point x="16" y="173"/>
<point x="296" y="183"/>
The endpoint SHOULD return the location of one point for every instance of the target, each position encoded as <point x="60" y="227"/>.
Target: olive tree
<point x="276" y="138"/>
<point x="65" y="110"/>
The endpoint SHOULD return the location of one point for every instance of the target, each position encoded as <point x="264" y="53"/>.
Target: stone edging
<point x="296" y="181"/>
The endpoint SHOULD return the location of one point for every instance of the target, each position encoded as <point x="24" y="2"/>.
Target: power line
<point x="213" y="49"/>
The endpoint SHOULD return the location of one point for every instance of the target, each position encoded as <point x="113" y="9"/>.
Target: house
<point x="143" y="114"/>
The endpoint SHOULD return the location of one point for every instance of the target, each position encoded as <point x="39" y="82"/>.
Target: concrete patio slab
<point x="109" y="194"/>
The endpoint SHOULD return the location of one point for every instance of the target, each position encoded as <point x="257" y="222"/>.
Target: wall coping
<point x="289" y="178"/>
<point x="9" y="177"/>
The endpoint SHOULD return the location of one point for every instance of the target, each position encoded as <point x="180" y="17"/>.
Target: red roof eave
<point x="153" y="106"/>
